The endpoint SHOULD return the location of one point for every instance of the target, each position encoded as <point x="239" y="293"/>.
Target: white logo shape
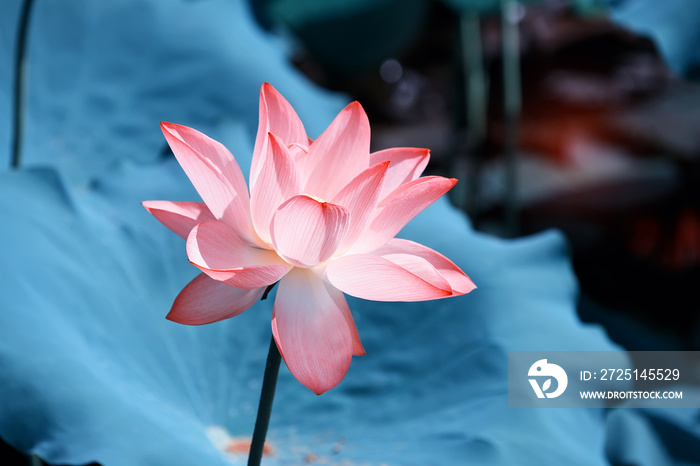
<point x="544" y="369"/>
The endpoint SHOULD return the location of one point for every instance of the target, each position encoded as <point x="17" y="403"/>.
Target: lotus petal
<point x="382" y="279"/>
<point x="397" y="209"/>
<point x="337" y="155"/>
<point x="179" y="217"/>
<point x="276" y="116"/>
<point x="406" y="164"/>
<point x="459" y="282"/>
<point x="218" y="252"/>
<point x="312" y="330"/>
<point x="360" y="198"/>
<point x="217" y="191"/>
<point x="205" y="300"/>
<point x="307" y="232"/>
<point x="277" y="182"/>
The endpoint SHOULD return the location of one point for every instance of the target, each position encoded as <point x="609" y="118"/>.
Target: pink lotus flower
<point x="320" y="217"/>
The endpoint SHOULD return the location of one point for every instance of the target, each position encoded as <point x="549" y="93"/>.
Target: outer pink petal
<point x="360" y="197"/>
<point x="217" y="251"/>
<point x="205" y="300"/>
<point x="200" y="157"/>
<point x="342" y="304"/>
<point x="419" y="267"/>
<point x="277" y="182"/>
<point x="276" y="116"/>
<point x="394" y="212"/>
<point x="307" y="232"/>
<point x="381" y="279"/>
<point x="407" y="164"/>
<point x="337" y="155"/>
<point x="214" y="151"/>
<point x="311" y="331"/>
<point x="179" y="217"/>
<point x="458" y="280"/>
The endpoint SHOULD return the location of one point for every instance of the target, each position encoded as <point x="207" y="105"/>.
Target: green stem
<point x="267" y="396"/>
<point x="22" y="33"/>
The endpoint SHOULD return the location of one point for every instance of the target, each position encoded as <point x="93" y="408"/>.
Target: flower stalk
<point x="267" y="396"/>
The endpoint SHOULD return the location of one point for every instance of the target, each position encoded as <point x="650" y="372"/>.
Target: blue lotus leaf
<point x="91" y="370"/>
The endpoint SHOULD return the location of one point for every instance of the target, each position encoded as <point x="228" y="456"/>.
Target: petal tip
<point x="276" y="139"/>
<point x="461" y="284"/>
<point x="319" y="387"/>
<point x="176" y="317"/>
<point x="170" y="130"/>
<point x="150" y="205"/>
<point x="268" y="90"/>
<point x="355" y="107"/>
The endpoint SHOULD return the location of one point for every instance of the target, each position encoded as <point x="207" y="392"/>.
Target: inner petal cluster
<point x="307" y="232"/>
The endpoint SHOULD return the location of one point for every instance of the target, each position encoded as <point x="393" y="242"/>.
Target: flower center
<point x="316" y="198"/>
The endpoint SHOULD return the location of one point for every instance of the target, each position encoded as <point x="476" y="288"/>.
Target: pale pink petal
<point x="381" y="279"/>
<point x="419" y="267"/>
<point x="311" y="331"/>
<point x="226" y="198"/>
<point x="360" y="197"/>
<point x="338" y="155"/>
<point x="394" y="212"/>
<point x="277" y="182"/>
<point x="307" y="232"/>
<point x="458" y="280"/>
<point x="298" y="151"/>
<point x="179" y="217"/>
<point x="205" y="300"/>
<point x="407" y="164"/>
<point x="216" y="250"/>
<point x="214" y="151"/>
<point x="276" y="116"/>
<point x="342" y="304"/>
